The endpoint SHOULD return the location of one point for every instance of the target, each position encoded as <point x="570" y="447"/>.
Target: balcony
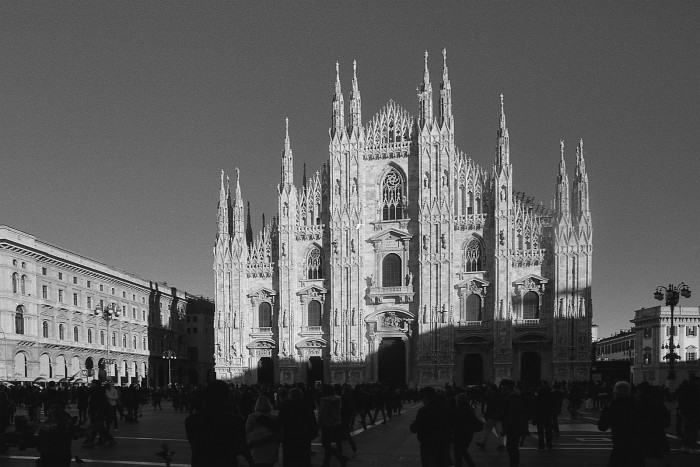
<point x="311" y="331"/>
<point x="260" y="332"/>
<point x="532" y="321"/>
<point x="466" y="324"/>
<point x="397" y="294"/>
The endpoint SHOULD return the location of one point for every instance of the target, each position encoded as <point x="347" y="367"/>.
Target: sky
<point x="116" y="118"/>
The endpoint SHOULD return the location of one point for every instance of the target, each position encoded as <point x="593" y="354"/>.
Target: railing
<point x="528" y="321"/>
<point x="469" y="323"/>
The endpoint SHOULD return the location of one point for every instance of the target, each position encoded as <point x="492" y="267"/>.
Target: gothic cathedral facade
<point x="402" y="261"/>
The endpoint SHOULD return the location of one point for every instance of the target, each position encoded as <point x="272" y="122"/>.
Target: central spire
<point x="445" y="94"/>
<point x="338" y="106"/>
<point x="287" y="158"/>
<point x="503" y="147"/>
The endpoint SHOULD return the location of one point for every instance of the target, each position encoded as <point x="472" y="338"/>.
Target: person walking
<point x="514" y="420"/>
<point x="216" y="433"/>
<point x="543" y="414"/>
<point x="329" y="421"/>
<point x="263" y="434"/>
<point x="299" y="429"/>
<point x="622" y="418"/>
<point x="557" y="400"/>
<point x="55" y="435"/>
<point x="464" y="424"/>
<point x="492" y="415"/>
<point x="434" y="434"/>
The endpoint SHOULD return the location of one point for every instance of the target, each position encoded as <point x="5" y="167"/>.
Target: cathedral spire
<point x="445" y="93"/>
<point x="249" y="229"/>
<point x="237" y="220"/>
<point x="338" y="106"/>
<point x="355" y="101"/>
<point x="287" y="159"/>
<point x="223" y="226"/>
<point x="503" y="148"/>
<point x="563" y="206"/>
<point x="304" y="176"/>
<point x="580" y="184"/>
<point x="425" y="95"/>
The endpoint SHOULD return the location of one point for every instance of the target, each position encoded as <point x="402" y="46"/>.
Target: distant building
<point x="49" y="329"/>
<point x="613" y="357"/>
<point x="403" y="261"/>
<point x="652" y="332"/>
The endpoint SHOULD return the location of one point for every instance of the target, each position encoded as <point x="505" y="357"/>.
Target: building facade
<point x="652" y="333"/>
<point x="614" y="357"/>
<point x="67" y="317"/>
<point x="403" y="261"/>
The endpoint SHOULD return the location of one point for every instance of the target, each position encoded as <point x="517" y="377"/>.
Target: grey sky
<point x="117" y="117"/>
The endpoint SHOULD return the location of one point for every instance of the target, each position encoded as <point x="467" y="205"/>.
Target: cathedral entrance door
<point x="392" y="362"/>
<point x="530" y="368"/>
<point x="266" y="373"/>
<point x="473" y="369"/>
<point x="314" y="371"/>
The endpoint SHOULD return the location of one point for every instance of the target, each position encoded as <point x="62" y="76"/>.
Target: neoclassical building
<point x="403" y="261"/>
<point x="64" y="316"/>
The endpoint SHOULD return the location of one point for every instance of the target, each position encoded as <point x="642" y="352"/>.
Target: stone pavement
<point x="580" y="444"/>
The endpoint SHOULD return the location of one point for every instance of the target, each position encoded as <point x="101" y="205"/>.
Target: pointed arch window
<point x="313" y="317"/>
<point x="19" y="320"/>
<point x="124" y="340"/>
<point x="23" y="285"/>
<point x="472" y="309"/>
<point x="472" y="256"/>
<point x="102" y="338"/>
<point x="391" y="271"/>
<point x="265" y="315"/>
<point x="393" y="198"/>
<point x="531" y="306"/>
<point x="314" y="264"/>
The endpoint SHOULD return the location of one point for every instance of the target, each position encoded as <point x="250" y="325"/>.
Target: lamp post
<point x="108" y="313"/>
<point x="169" y="355"/>
<point x="672" y="294"/>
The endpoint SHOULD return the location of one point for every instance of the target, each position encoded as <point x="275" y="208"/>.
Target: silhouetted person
<point x="622" y="418"/>
<point x="514" y="420"/>
<point x="464" y="424"/>
<point x="557" y="401"/>
<point x="216" y="434"/>
<point x="655" y="418"/>
<point x="299" y="429"/>
<point x="689" y="407"/>
<point x="543" y="414"/>
<point x="492" y="416"/>
<point x="263" y="433"/>
<point x="55" y="435"/>
<point x="329" y="421"/>
<point x="433" y="429"/>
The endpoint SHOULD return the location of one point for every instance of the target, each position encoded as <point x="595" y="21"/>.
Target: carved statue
<point x="410" y="278"/>
<point x="284" y="348"/>
<point x="234" y="350"/>
<point x="335" y="317"/>
<point x="370" y="280"/>
<point x="353" y="320"/>
<point x="425" y="242"/>
<point x="284" y="318"/>
<point x="335" y="347"/>
<point x="353" y="348"/>
<point x="218" y="350"/>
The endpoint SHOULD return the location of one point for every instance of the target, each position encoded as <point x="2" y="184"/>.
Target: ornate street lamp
<point x="108" y="313"/>
<point x="672" y="294"/>
<point x="169" y="355"/>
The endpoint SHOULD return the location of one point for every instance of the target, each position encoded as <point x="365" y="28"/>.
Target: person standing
<point x="557" y="400"/>
<point x="299" y="428"/>
<point x="492" y="414"/>
<point x="263" y="433"/>
<point x="55" y="435"/>
<point x="433" y="430"/>
<point x="216" y="433"/>
<point x="543" y="414"/>
<point x="464" y="424"/>
<point x="514" y="420"/>
<point x="329" y="421"/>
<point x="622" y="418"/>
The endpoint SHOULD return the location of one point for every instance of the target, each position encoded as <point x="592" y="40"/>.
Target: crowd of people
<point x="226" y="422"/>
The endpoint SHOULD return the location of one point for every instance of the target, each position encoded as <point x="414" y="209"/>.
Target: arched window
<point x="393" y="196"/>
<point x="265" y="315"/>
<point x="114" y="339"/>
<point x="23" y="285"/>
<point x="124" y="340"/>
<point x="61" y="331"/>
<point x="531" y="306"/>
<point x="15" y="282"/>
<point x="21" y="365"/>
<point x="19" y="320"/>
<point x="391" y="271"/>
<point x="89" y="336"/>
<point x="143" y="343"/>
<point x="472" y="256"/>
<point x="313" y="264"/>
<point x="102" y="338"/>
<point x="314" y="313"/>
<point x="76" y="334"/>
<point x="473" y="308"/>
<point x="45" y="329"/>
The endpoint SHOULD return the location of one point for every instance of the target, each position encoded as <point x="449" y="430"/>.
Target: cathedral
<point x="402" y="261"/>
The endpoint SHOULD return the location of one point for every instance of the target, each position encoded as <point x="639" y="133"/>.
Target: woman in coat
<point x="263" y="433"/>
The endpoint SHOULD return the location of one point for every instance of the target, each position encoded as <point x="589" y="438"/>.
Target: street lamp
<point x="671" y="294"/>
<point x="169" y="355"/>
<point x="108" y="313"/>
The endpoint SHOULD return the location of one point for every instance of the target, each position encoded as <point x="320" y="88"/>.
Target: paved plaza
<point x="580" y="444"/>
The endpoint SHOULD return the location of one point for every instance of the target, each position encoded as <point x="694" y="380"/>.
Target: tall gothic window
<point x="102" y="338"/>
<point x="314" y="313"/>
<point x="313" y="264"/>
<point x="531" y="306"/>
<point x="393" y="196"/>
<point x="19" y="320"/>
<point x="265" y="315"/>
<point x="473" y="308"/>
<point x="89" y="336"/>
<point x="472" y="256"/>
<point x="124" y="340"/>
<point x="391" y="271"/>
